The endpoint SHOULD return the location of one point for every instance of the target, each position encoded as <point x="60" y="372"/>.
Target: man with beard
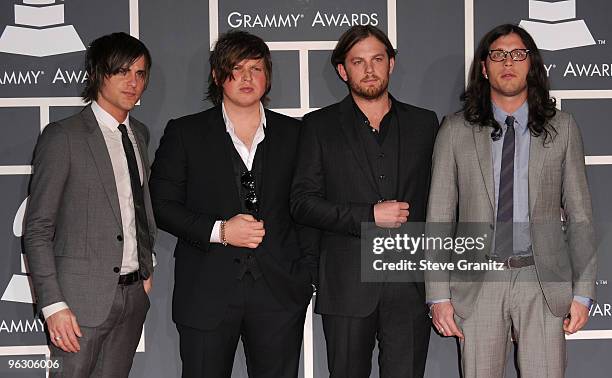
<point x="365" y="159"/>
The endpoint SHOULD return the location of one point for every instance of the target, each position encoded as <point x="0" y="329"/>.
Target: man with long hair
<point x="365" y="159"/>
<point x="513" y="162"/>
<point x="89" y="227"/>
<point x="220" y="184"/>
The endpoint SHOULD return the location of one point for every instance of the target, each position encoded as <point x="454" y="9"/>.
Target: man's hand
<point x="391" y="214"/>
<point x="148" y="284"/>
<point x="576" y="319"/>
<point x="443" y="319"/>
<point x="244" y="231"/>
<point x="63" y="330"/>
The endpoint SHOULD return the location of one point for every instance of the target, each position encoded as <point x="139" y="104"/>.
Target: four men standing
<point x="262" y="210"/>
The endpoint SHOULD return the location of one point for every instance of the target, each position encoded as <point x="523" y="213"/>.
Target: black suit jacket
<point x="192" y="186"/>
<point x="334" y="190"/>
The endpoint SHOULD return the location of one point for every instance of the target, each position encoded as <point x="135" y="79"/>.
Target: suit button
<point x="381" y="155"/>
<point x="119" y="237"/>
<point x="116" y="270"/>
<point x="491" y="226"/>
<point x="382" y="177"/>
<point x="236" y="260"/>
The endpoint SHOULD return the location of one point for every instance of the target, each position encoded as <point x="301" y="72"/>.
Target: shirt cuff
<point x="154" y="259"/>
<point x="588" y="302"/>
<point x="214" y="235"/>
<point x="53" y="308"/>
<point x="429" y="303"/>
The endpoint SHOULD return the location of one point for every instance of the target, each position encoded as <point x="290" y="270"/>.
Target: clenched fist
<point x="243" y="230"/>
<point x="391" y="214"/>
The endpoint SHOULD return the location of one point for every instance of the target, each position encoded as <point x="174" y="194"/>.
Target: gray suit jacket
<point x="462" y="190"/>
<point x="73" y="234"/>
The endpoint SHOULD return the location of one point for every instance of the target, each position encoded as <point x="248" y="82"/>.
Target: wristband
<point x="222" y="233"/>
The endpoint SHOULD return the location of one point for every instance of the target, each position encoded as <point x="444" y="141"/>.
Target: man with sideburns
<point x="89" y="227"/>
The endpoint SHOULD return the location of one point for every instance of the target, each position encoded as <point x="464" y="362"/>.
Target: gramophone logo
<point x="40" y="31"/>
<point x="19" y="288"/>
<point x="554" y="26"/>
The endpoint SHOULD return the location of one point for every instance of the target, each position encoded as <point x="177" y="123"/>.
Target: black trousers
<point x="271" y="335"/>
<point x="400" y="324"/>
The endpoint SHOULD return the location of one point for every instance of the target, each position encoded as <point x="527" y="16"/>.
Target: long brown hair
<point x="477" y="107"/>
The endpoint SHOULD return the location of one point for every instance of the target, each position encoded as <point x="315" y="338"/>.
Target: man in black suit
<point x="220" y="183"/>
<point x="365" y="159"/>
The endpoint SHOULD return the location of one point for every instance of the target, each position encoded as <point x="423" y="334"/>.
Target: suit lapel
<point x="537" y="156"/>
<point x="347" y="123"/>
<point x="142" y="149"/>
<point x="100" y="155"/>
<point x="271" y="154"/>
<point x="482" y="140"/>
<point x="219" y="147"/>
<point x="404" y="146"/>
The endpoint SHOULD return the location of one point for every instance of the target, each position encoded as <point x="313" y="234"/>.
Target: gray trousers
<point x="108" y="350"/>
<point x="511" y="304"/>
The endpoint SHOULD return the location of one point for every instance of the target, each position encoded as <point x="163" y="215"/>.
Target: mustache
<point x="370" y="77"/>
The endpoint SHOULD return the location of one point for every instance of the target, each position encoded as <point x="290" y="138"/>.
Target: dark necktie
<point x="505" y="201"/>
<point x="142" y="226"/>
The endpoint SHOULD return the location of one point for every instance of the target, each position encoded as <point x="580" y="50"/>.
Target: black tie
<point x="142" y="226"/>
<point x="505" y="201"/>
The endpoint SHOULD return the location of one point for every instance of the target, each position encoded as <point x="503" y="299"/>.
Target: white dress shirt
<point x="247" y="155"/>
<point x="112" y="138"/>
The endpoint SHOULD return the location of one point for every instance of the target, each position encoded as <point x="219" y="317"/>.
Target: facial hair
<point x="369" y="92"/>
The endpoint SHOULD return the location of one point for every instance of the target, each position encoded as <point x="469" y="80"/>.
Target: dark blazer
<point x="334" y="190"/>
<point x="193" y="185"/>
<point x="73" y="235"/>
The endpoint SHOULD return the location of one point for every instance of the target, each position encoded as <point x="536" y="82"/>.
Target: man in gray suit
<point x="89" y="227"/>
<point x="513" y="162"/>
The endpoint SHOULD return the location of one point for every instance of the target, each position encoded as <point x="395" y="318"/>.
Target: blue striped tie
<point x="505" y="201"/>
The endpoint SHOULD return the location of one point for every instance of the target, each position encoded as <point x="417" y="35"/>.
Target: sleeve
<point x="309" y="205"/>
<point x="168" y="185"/>
<point x="441" y="210"/>
<point x="576" y="202"/>
<point x="50" y="170"/>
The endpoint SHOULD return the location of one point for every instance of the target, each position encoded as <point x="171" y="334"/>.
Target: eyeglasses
<point x="247" y="179"/>
<point x="517" y="55"/>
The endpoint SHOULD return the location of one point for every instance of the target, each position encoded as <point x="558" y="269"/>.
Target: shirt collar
<point x="521" y="116"/>
<point x="229" y="127"/>
<point x="107" y="120"/>
<point x="363" y="118"/>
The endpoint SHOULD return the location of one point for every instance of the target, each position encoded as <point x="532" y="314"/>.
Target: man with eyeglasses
<point x="513" y="162"/>
<point x="220" y="183"/>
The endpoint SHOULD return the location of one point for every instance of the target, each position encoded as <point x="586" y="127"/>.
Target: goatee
<point x="369" y="92"/>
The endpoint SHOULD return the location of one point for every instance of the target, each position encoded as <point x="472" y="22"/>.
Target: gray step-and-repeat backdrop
<point x="41" y="54"/>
